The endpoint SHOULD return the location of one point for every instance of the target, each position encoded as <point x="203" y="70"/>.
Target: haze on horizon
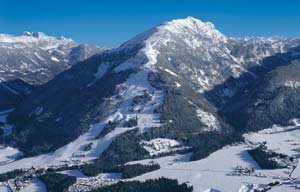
<point x="110" y="23"/>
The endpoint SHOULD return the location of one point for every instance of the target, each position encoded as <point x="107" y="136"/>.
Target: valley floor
<point x="216" y="172"/>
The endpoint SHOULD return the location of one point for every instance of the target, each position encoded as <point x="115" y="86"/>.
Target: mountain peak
<point x="192" y="19"/>
<point x="33" y="34"/>
<point x="188" y="22"/>
<point x="194" y="26"/>
<point x="181" y="28"/>
<point x="32" y="37"/>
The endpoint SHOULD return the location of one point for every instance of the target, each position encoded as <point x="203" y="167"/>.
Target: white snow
<point x="4" y="188"/>
<point x="280" y="139"/>
<point x="211" y="190"/>
<point x="170" y="72"/>
<point x="135" y="85"/>
<point x="263" y="47"/>
<point x="35" y="38"/>
<point x="35" y="185"/>
<point x="200" y="38"/>
<point x="161" y="145"/>
<point x="39" y="57"/>
<point x="138" y="83"/>
<point x="210" y="172"/>
<point x="177" y="84"/>
<point x="194" y="25"/>
<point x="208" y="119"/>
<point x="216" y="172"/>
<point x="74" y="172"/>
<point x="164" y="161"/>
<point x="54" y="59"/>
<point x="8" y="154"/>
<point x="102" y="69"/>
<point x="292" y="84"/>
<point x="84" y="184"/>
<point x="73" y="152"/>
<point x="133" y="62"/>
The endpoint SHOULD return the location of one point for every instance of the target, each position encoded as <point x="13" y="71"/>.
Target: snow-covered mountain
<point x="37" y="58"/>
<point x="252" y="50"/>
<point x="181" y="87"/>
<point x="202" y="54"/>
<point x="185" y="56"/>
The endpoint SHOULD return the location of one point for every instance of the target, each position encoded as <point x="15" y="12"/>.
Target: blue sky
<point x="111" y="22"/>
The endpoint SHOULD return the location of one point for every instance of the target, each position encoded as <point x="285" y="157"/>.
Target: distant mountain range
<point x="37" y="58"/>
<point x="33" y="58"/>
<point x="183" y="81"/>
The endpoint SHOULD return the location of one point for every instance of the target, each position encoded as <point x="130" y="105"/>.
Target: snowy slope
<point x="73" y="152"/>
<point x="8" y="154"/>
<point x="210" y="172"/>
<point x="35" y="185"/>
<point x="190" y="38"/>
<point x="201" y="54"/>
<point x="217" y="171"/>
<point x="279" y="139"/>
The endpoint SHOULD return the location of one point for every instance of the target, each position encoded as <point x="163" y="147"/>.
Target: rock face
<point x="202" y="77"/>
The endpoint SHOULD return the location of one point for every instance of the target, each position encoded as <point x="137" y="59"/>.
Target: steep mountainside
<point x="67" y="106"/>
<point x="271" y="98"/>
<point x="169" y="68"/>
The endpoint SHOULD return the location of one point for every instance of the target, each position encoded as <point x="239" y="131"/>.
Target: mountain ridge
<point x="36" y="53"/>
<point x="203" y="37"/>
<point x="180" y="87"/>
<point x="172" y="56"/>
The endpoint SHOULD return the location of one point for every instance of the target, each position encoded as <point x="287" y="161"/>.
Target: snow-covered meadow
<point x="216" y="172"/>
